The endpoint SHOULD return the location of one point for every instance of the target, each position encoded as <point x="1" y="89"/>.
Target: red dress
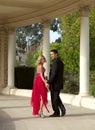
<point x="39" y="92"/>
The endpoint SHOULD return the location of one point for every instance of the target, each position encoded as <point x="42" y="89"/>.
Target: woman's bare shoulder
<point x="39" y="67"/>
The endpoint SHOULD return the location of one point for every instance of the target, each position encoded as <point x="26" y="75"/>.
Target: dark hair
<point x="55" y="51"/>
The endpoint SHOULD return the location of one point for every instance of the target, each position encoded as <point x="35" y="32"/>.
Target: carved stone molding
<point x="85" y="11"/>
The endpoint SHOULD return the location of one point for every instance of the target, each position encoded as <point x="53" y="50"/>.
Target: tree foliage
<point x="29" y="34"/>
<point x="92" y="39"/>
<point x="69" y="26"/>
<point x="21" y="38"/>
<point x="55" y="25"/>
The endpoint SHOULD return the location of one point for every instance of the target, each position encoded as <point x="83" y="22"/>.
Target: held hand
<point x="47" y="86"/>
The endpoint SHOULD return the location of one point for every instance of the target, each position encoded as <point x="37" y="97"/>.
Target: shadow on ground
<point x="6" y="122"/>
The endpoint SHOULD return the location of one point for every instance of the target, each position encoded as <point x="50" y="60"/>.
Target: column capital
<point x="85" y="11"/>
<point x="11" y="29"/>
<point x="7" y="29"/>
<point x="46" y="22"/>
<point x="4" y="29"/>
<point x="3" y="32"/>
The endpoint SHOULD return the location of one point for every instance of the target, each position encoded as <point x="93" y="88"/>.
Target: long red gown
<point x="39" y="92"/>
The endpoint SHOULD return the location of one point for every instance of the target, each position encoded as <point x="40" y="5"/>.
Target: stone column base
<point x="6" y="90"/>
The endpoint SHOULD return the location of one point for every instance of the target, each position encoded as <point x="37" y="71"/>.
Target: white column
<point x="11" y="57"/>
<point x="84" y="52"/>
<point x="46" y="45"/>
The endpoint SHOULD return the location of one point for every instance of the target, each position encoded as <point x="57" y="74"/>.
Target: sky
<point x="53" y="36"/>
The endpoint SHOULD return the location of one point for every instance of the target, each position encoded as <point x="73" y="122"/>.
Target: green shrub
<point x="92" y="83"/>
<point x="71" y="84"/>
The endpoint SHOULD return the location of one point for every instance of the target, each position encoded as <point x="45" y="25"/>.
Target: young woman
<point x="40" y="89"/>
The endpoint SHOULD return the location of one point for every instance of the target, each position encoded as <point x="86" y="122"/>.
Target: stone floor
<point x="15" y="114"/>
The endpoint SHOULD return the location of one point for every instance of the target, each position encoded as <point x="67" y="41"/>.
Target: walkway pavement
<point x="15" y="114"/>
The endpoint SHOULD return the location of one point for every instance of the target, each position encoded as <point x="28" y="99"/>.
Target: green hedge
<point x="92" y="83"/>
<point x="24" y="77"/>
<point x="71" y="84"/>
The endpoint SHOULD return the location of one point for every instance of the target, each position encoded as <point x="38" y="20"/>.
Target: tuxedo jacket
<point x="56" y="75"/>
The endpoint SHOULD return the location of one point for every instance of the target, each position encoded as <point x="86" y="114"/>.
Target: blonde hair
<point x="39" y="59"/>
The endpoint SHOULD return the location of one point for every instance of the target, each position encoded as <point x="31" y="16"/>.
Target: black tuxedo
<point x="56" y="84"/>
<point x="56" y="74"/>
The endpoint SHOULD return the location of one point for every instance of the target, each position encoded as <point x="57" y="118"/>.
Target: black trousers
<point x="56" y="102"/>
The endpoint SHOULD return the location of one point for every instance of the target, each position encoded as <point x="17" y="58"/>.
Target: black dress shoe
<point x="54" y="115"/>
<point x="63" y="112"/>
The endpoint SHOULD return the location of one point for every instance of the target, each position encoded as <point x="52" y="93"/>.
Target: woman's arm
<point x="42" y="77"/>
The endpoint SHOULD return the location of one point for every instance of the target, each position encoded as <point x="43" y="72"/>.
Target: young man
<point x="56" y="84"/>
